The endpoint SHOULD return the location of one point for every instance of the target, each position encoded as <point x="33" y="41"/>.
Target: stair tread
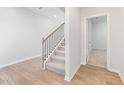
<point x="56" y="65"/>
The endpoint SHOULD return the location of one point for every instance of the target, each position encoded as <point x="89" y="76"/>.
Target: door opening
<point x="97" y="41"/>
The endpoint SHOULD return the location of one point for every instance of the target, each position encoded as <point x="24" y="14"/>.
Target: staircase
<point x="53" y="51"/>
<point x="57" y="60"/>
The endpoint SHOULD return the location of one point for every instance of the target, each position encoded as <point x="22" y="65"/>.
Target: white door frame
<point x="85" y="37"/>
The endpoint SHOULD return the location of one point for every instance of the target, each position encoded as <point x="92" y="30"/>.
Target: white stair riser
<point x="61" y="71"/>
<point x="58" y="60"/>
<point x="60" y="54"/>
<point x="61" y="48"/>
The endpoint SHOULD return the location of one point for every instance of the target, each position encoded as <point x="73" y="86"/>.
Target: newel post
<point x="42" y="63"/>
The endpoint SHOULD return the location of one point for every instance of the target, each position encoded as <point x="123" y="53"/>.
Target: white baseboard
<point x="19" y="61"/>
<point x="82" y="63"/>
<point x="112" y="70"/>
<point x="98" y="49"/>
<point x="120" y="74"/>
<point x="69" y="78"/>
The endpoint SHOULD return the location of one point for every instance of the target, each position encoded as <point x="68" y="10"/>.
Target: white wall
<point x="116" y="35"/>
<point x="21" y="32"/>
<point x="122" y="45"/>
<point x="72" y="35"/>
<point x="99" y="35"/>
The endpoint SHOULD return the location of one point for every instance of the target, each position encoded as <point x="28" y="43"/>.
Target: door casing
<point x="85" y="37"/>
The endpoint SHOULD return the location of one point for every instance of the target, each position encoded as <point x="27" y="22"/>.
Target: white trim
<point x="96" y="15"/>
<point x="82" y="63"/>
<point x="19" y="61"/>
<point x="66" y="32"/>
<point x="98" y="49"/>
<point x="84" y="40"/>
<point x="108" y="40"/>
<point x="69" y="78"/>
<point x="108" y="36"/>
<point x="122" y="77"/>
<point x="120" y="74"/>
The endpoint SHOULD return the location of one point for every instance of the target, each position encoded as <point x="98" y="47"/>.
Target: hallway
<point x="98" y="57"/>
<point x="29" y="72"/>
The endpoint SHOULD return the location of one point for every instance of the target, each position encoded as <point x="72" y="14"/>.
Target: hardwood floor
<point x="98" y="57"/>
<point x="29" y="73"/>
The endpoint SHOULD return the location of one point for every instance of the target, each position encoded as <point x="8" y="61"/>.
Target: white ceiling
<point x="53" y="13"/>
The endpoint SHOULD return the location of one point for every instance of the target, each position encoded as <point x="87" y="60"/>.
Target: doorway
<point x="97" y="41"/>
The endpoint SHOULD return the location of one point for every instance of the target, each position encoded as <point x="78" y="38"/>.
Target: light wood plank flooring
<point x="29" y="73"/>
<point x="98" y="57"/>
